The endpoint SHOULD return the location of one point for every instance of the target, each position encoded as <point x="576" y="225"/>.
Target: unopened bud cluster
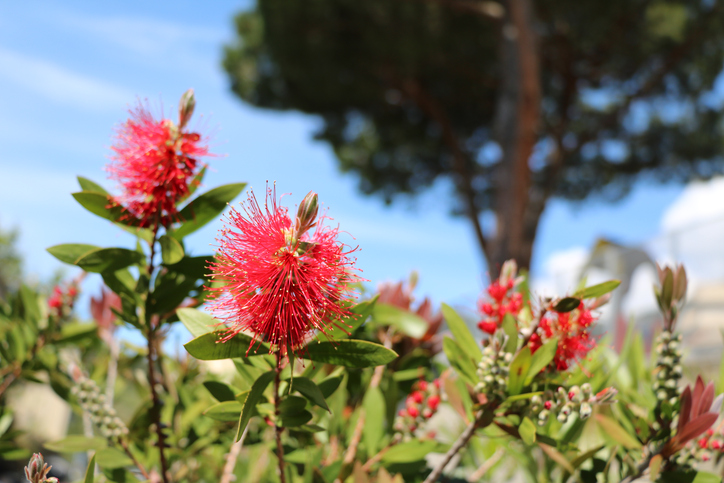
<point x="709" y="446"/>
<point x="62" y="301"/>
<point x="564" y="403"/>
<point x="493" y="373"/>
<point x="666" y="385"/>
<point x="101" y="412"/>
<point x="420" y="405"/>
<point x="37" y="470"/>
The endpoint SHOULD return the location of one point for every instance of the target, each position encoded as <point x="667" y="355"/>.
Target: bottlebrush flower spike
<point x="155" y="162"/>
<point x="695" y="416"/>
<point x="280" y="283"/>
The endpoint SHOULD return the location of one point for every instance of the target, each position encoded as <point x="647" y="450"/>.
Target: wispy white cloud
<point x="145" y="36"/>
<point x="60" y="85"/>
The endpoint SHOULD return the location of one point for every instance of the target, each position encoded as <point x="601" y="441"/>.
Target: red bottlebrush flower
<point x="280" y="282"/>
<point x="502" y="301"/>
<point x="154" y="164"/>
<point x="571" y="329"/>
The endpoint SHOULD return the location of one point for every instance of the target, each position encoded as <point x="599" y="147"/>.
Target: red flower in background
<point x="503" y="300"/>
<point x="155" y="162"/>
<point x="280" y="280"/>
<point x="572" y="331"/>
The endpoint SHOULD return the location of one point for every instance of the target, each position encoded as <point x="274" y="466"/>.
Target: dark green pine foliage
<point x="626" y="92"/>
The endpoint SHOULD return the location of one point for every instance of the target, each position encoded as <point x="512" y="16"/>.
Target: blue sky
<point x="68" y="74"/>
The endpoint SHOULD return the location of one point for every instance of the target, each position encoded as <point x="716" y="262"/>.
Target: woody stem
<point x="278" y="429"/>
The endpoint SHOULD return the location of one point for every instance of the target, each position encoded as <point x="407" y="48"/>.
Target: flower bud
<point x="307" y="213"/>
<point x="186" y="108"/>
<point x="585" y="410"/>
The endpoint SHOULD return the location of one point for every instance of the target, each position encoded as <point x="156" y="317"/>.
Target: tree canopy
<point x="514" y="102"/>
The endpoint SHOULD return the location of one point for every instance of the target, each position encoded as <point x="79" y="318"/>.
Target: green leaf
<point x="193" y="267"/>
<point x="206" y="207"/>
<point x="408" y="374"/>
<point x="224" y="411"/>
<point x="76" y="331"/>
<point x="567" y="304"/>
<point x="611" y="428"/>
<point x="75" y="444"/>
<point x="511" y="330"/>
<point x="521" y="397"/>
<point x="197" y="322"/>
<point x="112" y="458"/>
<point x="347" y="326"/>
<point x="102" y="205"/>
<point x="689" y="477"/>
<point x="597" y="290"/>
<point x="90" y="470"/>
<point x="252" y="399"/>
<point x="88" y="185"/>
<point x="527" y="431"/>
<point x="405" y="321"/>
<point x="171" y="250"/>
<point x="221" y="392"/>
<point x="71" y="252"/>
<point x="294" y="419"/>
<point x="292" y="405"/>
<point x="461" y="333"/>
<point x="374" y="428"/>
<point x="459" y="360"/>
<point x="329" y="385"/>
<point x="310" y="390"/>
<point x="208" y="347"/>
<point x="542" y="357"/>
<point x="349" y="353"/>
<point x="119" y="475"/>
<point x="108" y="259"/>
<point x="519" y="371"/>
<point x="31" y="307"/>
<point x="409" y="452"/>
<point x="5" y="421"/>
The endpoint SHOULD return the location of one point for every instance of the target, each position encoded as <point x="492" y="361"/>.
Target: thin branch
<point x="464" y="182"/>
<point x="456" y="447"/>
<point x="351" y="453"/>
<point x="137" y="463"/>
<point x="278" y="429"/>
<point x="486" y="466"/>
<point x="227" y="476"/>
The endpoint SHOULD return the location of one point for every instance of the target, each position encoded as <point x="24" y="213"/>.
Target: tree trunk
<point x="517" y="207"/>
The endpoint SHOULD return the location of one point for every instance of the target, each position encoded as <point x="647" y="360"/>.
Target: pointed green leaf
<point x="374" y="428"/>
<point x="527" y="431"/>
<point x="597" y="290"/>
<point x="88" y="185"/>
<point x="221" y="392"/>
<point x="171" y="250"/>
<point x="224" y="411"/>
<point x="252" y="399"/>
<point x="511" y="330"/>
<point x="112" y="458"/>
<point x="567" y="304"/>
<point x="542" y="357"/>
<point x="410" y="452"/>
<point x="349" y="353"/>
<point x="330" y="385"/>
<point x="460" y="360"/>
<point x="611" y="428"/>
<point x="519" y="371"/>
<point x="310" y="390"/>
<point x="347" y="326"/>
<point x="461" y="333"/>
<point x="295" y="419"/>
<point x="209" y="347"/>
<point x="206" y="207"/>
<point x="75" y="444"/>
<point x="101" y="204"/>
<point x="109" y="259"/>
<point x="405" y="321"/>
<point x="71" y="252"/>
<point x="197" y="322"/>
<point x="90" y="470"/>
